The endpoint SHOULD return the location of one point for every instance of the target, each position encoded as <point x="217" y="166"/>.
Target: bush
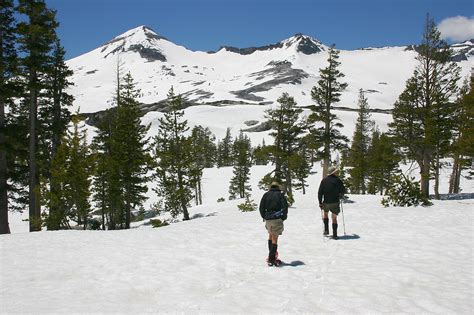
<point x="248" y="205"/>
<point x="405" y="192"/>
<point x="221" y="199"/>
<point x="158" y="223"/>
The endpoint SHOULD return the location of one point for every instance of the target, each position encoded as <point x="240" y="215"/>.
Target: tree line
<point x="46" y="161"/>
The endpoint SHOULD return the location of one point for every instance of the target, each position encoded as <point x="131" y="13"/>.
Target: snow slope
<point x="396" y="260"/>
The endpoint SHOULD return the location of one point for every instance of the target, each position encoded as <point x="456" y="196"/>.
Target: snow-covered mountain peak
<point x="304" y="44"/>
<point x="141" y="39"/>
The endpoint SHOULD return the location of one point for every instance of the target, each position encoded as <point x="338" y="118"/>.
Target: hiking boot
<point x="326" y="226"/>
<point x="277" y="263"/>
<point x="334" y="231"/>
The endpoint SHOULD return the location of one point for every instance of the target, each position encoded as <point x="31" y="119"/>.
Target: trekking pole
<point x="343" y="222"/>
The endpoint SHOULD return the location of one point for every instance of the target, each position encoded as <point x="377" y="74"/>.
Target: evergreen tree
<point x="79" y="169"/>
<point x="287" y="132"/>
<point x="463" y="134"/>
<point x="260" y="154"/>
<point x="131" y="153"/>
<point x="174" y="159"/>
<point x="36" y="37"/>
<point x="326" y="94"/>
<point x="382" y="162"/>
<point x="421" y="115"/>
<point x="359" y="148"/>
<point x="224" y="150"/>
<point x="242" y="162"/>
<point x="54" y="115"/>
<point x="204" y="153"/>
<point x="8" y="71"/>
<point x="104" y="169"/>
<point x="301" y="166"/>
<point x="71" y="170"/>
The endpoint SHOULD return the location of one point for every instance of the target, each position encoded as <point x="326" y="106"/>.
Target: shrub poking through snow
<point x="158" y="223"/>
<point x="405" y="192"/>
<point x="221" y="199"/>
<point x="248" y="205"/>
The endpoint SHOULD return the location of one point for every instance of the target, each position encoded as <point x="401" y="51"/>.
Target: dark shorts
<point x="333" y="207"/>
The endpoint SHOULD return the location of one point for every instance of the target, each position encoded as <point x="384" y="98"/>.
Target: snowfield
<point x="396" y="260"/>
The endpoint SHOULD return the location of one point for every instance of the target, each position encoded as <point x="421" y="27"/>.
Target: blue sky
<point x="208" y="24"/>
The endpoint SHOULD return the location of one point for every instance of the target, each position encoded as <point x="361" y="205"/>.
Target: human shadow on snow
<point x="349" y="237"/>
<point x="294" y="263"/>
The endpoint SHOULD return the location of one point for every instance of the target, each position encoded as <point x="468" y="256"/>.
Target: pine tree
<point x="326" y="94"/>
<point x="54" y="114"/>
<point x="420" y="115"/>
<point x="79" y="170"/>
<point x="8" y="71"/>
<point x="129" y="143"/>
<point x="287" y="132"/>
<point x="104" y="166"/>
<point x="241" y="154"/>
<point x="36" y="37"/>
<point x="71" y="170"/>
<point x="359" y="148"/>
<point x="224" y="150"/>
<point x="204" y="153"/>
<point x="463" y="134"/>
<point x="174" y="159"/>
<point x="382" y="162"/>
<point x="301" y="166"/>
<point x="260" y="154"/>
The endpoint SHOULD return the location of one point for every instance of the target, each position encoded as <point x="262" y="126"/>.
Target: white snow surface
<point x="395" y="260"/>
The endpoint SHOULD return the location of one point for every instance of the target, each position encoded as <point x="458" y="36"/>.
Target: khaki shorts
<point x="274" y="227"/>
<point x="333" y="207"/>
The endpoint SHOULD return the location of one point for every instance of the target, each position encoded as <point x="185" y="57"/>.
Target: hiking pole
<point x="343" y="222"/>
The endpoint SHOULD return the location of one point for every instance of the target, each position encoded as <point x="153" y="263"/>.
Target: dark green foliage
<point x="463" y="135"/>
<point x="404" y="192"/>
<point x="287" y="131"/>
<point x="357" y="158"/>
<point x="221" y="199"/>
<point x="224" y="150"/>
<point x="174" y="159"/>
<point x="204" y="154"/>
<point x="422" y="115"/>
<point x="382" y="160"/>
<point x="36" y="37"/>
<point x="131" y="152"/>
<point x="248" y="206"/>
<point x="8" y="91"/>
<point x="327" y="138"/>
<point x="71" y="170"/>
<point x="122" y="159"/>
<point x="261" y="154"/>
<point x="242" y="160"/>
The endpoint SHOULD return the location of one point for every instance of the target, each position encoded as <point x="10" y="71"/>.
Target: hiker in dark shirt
<point x="330" y="191"/>
<point x="274" y="210"/>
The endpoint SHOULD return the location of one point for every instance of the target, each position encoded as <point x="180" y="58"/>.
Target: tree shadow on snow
<point x="294" y="263"/>
<point x="349" y="237"/>
<point x="202" y="215"/>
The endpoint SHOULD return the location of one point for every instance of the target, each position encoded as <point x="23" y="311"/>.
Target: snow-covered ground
<point x="396" y="260"/>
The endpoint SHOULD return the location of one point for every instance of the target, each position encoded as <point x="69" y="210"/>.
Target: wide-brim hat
<point x="332" y="170"/>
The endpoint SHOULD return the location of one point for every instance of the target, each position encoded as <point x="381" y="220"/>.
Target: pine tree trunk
<point x="436" y="186"/>
<point x="4" y="226"/>
<point x="200" y="191"/>
<point x="55" y="142"/>
<point x="425" y="175"/>
<point x="455" y="175"/>
<point x="34" y="202"/>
